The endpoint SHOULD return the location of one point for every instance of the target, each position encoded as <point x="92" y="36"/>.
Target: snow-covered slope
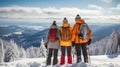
<point x="96" y="61"/>
<point x="107" y="45"/>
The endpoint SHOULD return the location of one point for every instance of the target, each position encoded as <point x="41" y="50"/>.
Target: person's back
<point x="65" y="41"/>
<point x="76" y="32"/>
<point x="65" y="34"/>
<point x="81" y="38"/>
<point x="52" y="43"/>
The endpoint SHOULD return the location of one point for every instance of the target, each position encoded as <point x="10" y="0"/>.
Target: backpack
<point x="65" y="34"/>
<point x="83" y="31"/>
<point x="52" y="34"/>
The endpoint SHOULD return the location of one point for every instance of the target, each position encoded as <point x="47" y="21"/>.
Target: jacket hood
<point x="53" y="26"/>
<point x="65" y="25"/>
<point x="80" y="21"/>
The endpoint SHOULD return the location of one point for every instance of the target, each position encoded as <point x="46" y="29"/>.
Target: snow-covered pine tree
<point x="8" y="54"/>
<point x="34" y="52"/>
<point x="22" y="52"/>
<point x="15" y="50"/>
<point x="30" y="52"/>
<point x="118" y="41"/>
<point x="107" y="45"/>
<point x="43" y="50"/>
<point x="1" y="51"/>
<point x="11" y="51"/>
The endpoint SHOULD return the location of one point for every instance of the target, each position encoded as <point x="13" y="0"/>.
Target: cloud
<point x="116" y="8"/>
<point x="50" y="10"/>
<point x="103" y="19"/>
<point x="93" y="14"/>
<point x="95" y="7"/>
<point x="107" y="1"/>
<point x="24" y="12"/>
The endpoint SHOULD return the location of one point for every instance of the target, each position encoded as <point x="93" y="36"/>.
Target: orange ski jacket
<point x="75" y="33"/>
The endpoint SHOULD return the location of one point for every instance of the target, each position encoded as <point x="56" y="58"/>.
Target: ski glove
<point x="45" y="45"/>
<point x="73" y="43"/>
<point x="89" y="42"/>
<point x="80" y="35"/>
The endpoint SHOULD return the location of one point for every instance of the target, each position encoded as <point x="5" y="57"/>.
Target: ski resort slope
<point x="96" y="61"/>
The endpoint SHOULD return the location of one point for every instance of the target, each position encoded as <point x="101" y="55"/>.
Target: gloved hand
<point x="89" y="42"/>
<point x="73" y="43"/>
<point x="80" y="35"/>
<point x="45" y="45"/>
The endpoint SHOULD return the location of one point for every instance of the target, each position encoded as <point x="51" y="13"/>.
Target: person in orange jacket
<point x="65" y="41"/>
<point x="80" y="43"/>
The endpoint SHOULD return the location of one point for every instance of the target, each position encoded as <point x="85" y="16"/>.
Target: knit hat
<point x="54" y="23"/>
<point x="77" y="17"/>
<point x="65" y="20"/>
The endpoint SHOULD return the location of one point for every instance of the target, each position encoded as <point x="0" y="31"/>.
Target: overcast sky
<point x="102" y="11"/>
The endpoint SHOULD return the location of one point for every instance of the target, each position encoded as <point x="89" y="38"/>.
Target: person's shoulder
<point x="60" y="28"/>
<point x="77" y="24"/>
<point x="71" y="28"/>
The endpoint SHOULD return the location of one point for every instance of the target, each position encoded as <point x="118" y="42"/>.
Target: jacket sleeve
<point x="58" y="33"/>
<point x="90" y="34"/>
<point x="73" y="32"/>
<point x="47" y="35"/>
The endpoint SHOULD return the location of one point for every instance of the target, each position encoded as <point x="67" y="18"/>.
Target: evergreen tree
<point x="1" y="51"/>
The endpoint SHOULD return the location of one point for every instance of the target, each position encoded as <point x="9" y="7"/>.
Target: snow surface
<point x="96" y="61"/>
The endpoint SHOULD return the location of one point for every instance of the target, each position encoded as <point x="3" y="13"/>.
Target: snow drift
<point x="96" y="61"/>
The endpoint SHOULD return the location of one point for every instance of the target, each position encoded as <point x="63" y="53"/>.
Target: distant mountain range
<point x="101" y="31"/>
<point x="31" y="34"/>
<point x="23" y="36"/>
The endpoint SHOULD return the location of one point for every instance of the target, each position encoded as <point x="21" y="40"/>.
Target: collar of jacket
<point x="80" y="21"/>
<point x="65" y="25"/>
<point x="53" y="26"/>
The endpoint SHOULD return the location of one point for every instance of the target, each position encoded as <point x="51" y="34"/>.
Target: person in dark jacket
<point x="51" y="45"/>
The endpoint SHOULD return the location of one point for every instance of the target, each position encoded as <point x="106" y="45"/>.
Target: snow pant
<point x="63" y="50"/>
<point x="51" y="52"/>
<point x="79" y="47"/>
